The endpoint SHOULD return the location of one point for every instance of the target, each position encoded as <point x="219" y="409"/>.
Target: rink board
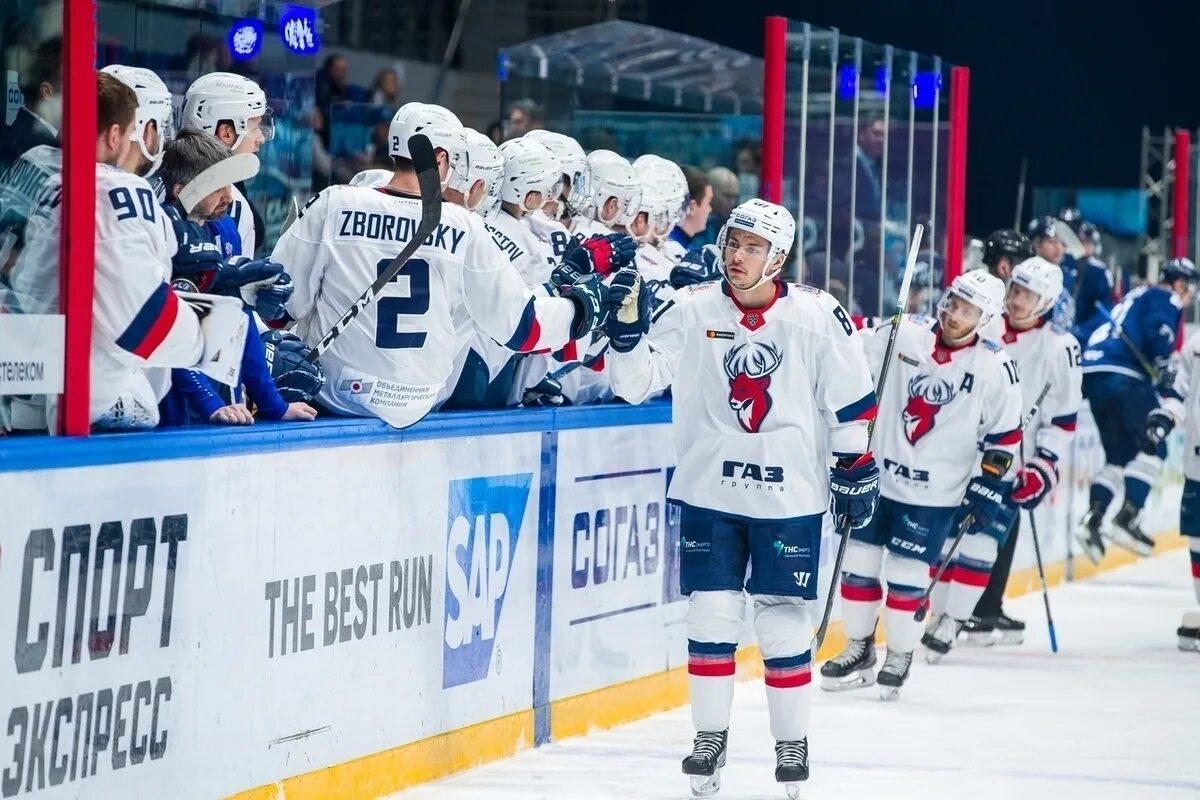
<point x="343" y="610"/>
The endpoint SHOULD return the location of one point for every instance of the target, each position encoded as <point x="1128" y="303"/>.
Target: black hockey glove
<point x="547" y="392"/>
<point x="854" y="490"/>
<point x="590" y="296"/>
<point x="986" y="504"/>
<point x="270" y="301"/>
<point x="696" y="266"/>
<point x="629" y="315"/>
<point x="297" y="380"/>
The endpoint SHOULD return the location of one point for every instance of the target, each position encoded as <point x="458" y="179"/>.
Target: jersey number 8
<point x="389" y="309"/>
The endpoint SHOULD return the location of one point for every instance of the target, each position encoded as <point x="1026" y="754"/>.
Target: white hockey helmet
<point x="1040" y="277"/>
<point x="600" y="156"/>
<point x="670" y="179"/>
<point x="657" y="204"/>
<point x="574" y="164"/>
<point x="772" y="222"/>
<point x="979" y="288"/>
<point x="220" y="96"/>
<point x="616" y="179"/>
<point x="486" y="164"/>
<point x="444" y="131"/>
<point x="529" y="167"/>
<point x="154" y="105"/>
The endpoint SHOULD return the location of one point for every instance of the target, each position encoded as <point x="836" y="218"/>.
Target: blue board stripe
<point x="544" y="607"/>
<point x="628" y="473"/>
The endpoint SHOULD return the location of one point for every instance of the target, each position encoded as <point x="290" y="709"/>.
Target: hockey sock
<point x="783" y="626"/>
<point x="1104" y="486"/>
<point x="861" y="598"/>
<point x="937" y="600"/>
<point x="969" y="574"/>
<point x="1194" y="548"/>
<point x="906" y="579"/>
<point x="1139" y="474"/>
<point x="714" y="622"/>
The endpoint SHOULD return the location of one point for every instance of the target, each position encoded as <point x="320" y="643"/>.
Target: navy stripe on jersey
<point x="151" y="324"/>
<point x="1066" y="422"/>
<point x="528" y="331"/>
<point x="862" y="409"/>
<point x="1004" y="438"/>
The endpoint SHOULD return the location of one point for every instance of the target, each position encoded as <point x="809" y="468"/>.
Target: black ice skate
<point x="852" y="669"/>
<point x="705" y="762"/>
<point x="893" y="674"/>
<point x="1189" y="632"/>
<point x="939" y="638"/>
<point x="980" y="632"/>
<point x="1012" y="631"/>
<point x="1088" y="533"/>
<point x="791" y="765"/>
<point x="1128" y="534"/>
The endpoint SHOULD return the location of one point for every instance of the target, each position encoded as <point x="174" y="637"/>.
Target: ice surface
<point x="1115" y="714"/>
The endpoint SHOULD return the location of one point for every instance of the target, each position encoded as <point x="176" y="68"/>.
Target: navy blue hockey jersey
<point x="1149" y="316"/>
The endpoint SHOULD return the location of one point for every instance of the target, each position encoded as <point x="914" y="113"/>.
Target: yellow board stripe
<point x="408" y="765"/>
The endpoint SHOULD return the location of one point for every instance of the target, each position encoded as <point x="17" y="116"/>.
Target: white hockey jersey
<point x="394" y="359"/>
<point x="939" y="410"/>
<point x="762" y="398"/>
<point x="551" y="233"/>
<point x="655" y="269"/>
<point x="1181" y="402"/>
<point x="522" y="249"/>
<point x="1044" y="354"/>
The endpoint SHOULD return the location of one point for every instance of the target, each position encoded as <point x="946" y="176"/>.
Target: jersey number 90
<point x="389" y="309"/>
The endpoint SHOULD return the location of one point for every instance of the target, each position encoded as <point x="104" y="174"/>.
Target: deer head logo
<point x="749" y="367"/>
<point x="926" y="394"/>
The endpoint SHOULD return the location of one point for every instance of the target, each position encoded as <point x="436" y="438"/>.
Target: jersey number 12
<point x="389" y="309"/>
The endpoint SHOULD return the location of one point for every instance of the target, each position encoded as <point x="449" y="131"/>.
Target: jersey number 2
<point x="390" y="309"/>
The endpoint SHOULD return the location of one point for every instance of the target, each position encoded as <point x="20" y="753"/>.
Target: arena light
<point x="245" y="39"/>
<point x="298" y="30"/>
<point x="847" y="81"/>
<point x="925" y="88"/>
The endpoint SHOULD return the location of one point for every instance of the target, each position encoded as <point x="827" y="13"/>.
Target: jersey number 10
<point x="389" y="309"/>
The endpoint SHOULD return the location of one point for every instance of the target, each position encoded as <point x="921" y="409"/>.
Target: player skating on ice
<point x="951" y="395"/>
<point x="770" y="385"/>
<point x="1126" y="368"/>
<point x="1044" y="354"/>
<point x="1179" y="406"/>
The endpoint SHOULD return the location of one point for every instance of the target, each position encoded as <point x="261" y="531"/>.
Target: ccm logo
<point x="903" y="545"/>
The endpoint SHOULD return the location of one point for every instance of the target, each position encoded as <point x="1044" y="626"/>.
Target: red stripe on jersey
<point x="535" y="333"/>
<point x="161" y="326"/>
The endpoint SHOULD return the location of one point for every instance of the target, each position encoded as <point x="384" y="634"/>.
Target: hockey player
<point x="152" y="129"/>
<point x="1159" y="423"/>
<point x="950" y="395"/>
<point x="769" y="385"/>
<point x="695" y="218"/>
<point x="553" y="223"/>
<point x="532" y="177"/>
<point x="1044" y="354"/>
<point x="234" y="109"/>
<point x="139" y="322"/>
<point x="1126" y="365"/>
<point x="1003" y="250"/>
<point x="392" y="361"/>
<point x="1093" y="288"/>
<point x="1043" y="236"/>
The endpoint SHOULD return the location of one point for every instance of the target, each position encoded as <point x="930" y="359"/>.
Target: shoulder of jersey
<point x="990" y="344"/>
<point x="1095" y="262"/>
<point x="108" y="177"/>
<point x="699" y="290"/>
<point x="1058" y="330"/>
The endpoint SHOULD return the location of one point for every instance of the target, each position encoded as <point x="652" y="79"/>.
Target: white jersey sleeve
<point x="649" y="367"/>
<point x="240" y="212"/>
<point x="1000" y="426"/>
<point x="528" y="256"/>
<point x="1059" y="412"/>
<point x="1182" y="398"/>
<point x="846" y="391"/>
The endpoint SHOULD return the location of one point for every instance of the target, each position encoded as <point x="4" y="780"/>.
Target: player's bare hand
<point x="235" y="414"/>
<point x="299" y="412"/>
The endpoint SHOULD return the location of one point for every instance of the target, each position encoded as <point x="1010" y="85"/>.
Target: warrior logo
<point x="749" y="367"/>
<point x="926" y="394"/>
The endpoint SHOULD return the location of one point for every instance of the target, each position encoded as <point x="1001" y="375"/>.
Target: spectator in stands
<point x="524" y="116"/>
<point x="747" y="162"/>
<point x="331" y="88"/>
<point x="39" y="119"/>
<point x="868" y="172"/>
<point x="322" y="161"/>
<point x="726" y="189"/>
<point x="699" y="209"/>
<point x="385" y="91"/>
<point x="495" y="132"/>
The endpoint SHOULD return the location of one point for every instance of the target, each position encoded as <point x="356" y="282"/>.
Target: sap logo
<point x="802" y="579"/>
<point x="483" y="526"/>
<point x="911" y="547"/>
<point x="902" y="471"/>
<point x="751" y="472"/>
<point x="611" y="545"/>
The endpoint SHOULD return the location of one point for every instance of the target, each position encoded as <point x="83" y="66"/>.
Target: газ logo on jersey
<point x="483" y="525"/>
<point x="749" y="367"/>
<point x="926" y="394"/>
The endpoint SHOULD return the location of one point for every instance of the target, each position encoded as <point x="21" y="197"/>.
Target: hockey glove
<point x="297" y="380"/>
<point x="590" y="296"/>
<point x="986" y="505"/>
<point x="241" y="276"/>
<point x="854" y="490"/>
<point x="1035" y="481"/>
<point x="1166" y="371"/>
<point x="696" y="266"/>
<point x="270" y="301"/>
<point x="1159" y="424"/>
<point x="601" y="255"/>
<point x="224" y="325"/>
<point x="547" y="392"/>
<point x="629" y="318"/>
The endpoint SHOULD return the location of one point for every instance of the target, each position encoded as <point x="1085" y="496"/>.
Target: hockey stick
<point x="1137" y="354"/>
<point x="897" y="317"/>
<point x="1037" y="552"/>
<point x="431" y="214"/>
<point x="923" y="607"/>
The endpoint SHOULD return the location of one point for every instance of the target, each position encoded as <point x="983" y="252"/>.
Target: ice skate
<point x="939" y="639"/>
<point x="1012" y="631"/>
<point x="1127" y="534"/>
<point x="705" y="762"/>
<point x="893" y="674"/>
<point x="1189" y="632"/>
<point x="980" y="632"/>
<point x="1088" y="534"/>
<point x="854" y="668"/>
<point x="791" y="765"/>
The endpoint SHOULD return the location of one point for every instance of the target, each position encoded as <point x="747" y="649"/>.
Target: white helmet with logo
<point x="221" y="96"/>
<point x="671" y="181"/>
<point x="1042" y="278"/>
<point x="574" y="164"/>
<point x="979" y="288"/>
<point x="529" y="167"/>
<point x="657" y="204"/>
<point x="154" y="105"/>
<point x="444" y="132"/>
<point x="772" y="222"/>
<point x="486" y="164"/>
<point x="615" y="178"/>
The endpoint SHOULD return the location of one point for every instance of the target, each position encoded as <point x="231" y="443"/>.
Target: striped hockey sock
<point x="1194" y="548"/>
<point x="711" y="668"/>
<point x="789" y="683"/>
<point x="861" y="598"/>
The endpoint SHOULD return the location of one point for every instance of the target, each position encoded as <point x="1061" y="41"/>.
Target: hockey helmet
<point x="486" y="164"/>
<point x="772" y="222"/>
<point x="1042" y="278"/>
<point x="615" y="178"/>
<point x="220" y="96"/>
<point x="154" y="105"/>
<point x="670" y="179"/>
<point x="1006" y="243"/>
<point x="1179" y="269"/>
<point x="529" y="167"/>
<point x="574" y="165"/>
<point x="444" y="131"/>
<point x="981" y="289"/>
<point x="1043" y="228"/>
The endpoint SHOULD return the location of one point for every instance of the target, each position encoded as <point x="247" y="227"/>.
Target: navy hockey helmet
<point x="1088" y="232"/>
<point x="1006" y="243"/>
<point x="1043" y="228"/>
<point x="1179" y="269"/>
<point x="1072" y="216"/>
